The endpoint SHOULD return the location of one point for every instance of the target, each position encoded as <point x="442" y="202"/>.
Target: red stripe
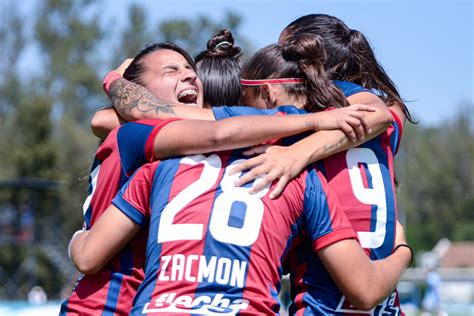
<point x="400" y="126"/>
<point x="259" y="82"/>
<point x="333" y="237"/>
<point x="150" y="142"/>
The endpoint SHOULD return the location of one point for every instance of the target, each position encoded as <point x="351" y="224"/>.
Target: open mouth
<point x="188" y="96"/>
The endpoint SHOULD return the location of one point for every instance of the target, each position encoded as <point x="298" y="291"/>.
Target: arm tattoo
<point x="129" y="97"/>
<point x="309" y="123"/>
<point x="335" y="145"/>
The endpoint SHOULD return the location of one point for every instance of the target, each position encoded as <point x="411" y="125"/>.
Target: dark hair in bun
<point x="219" y="69"/>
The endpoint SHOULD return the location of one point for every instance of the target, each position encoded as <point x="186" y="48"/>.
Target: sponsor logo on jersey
<point x="388" y="307"/>
<point x="201" y="305"/>
<point x="195" y="268"/>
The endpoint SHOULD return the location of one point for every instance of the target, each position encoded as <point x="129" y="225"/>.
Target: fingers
<point x="349" y="131"/>
<point x="246" y="165"/>
<point x="249" y="176"/>
<point x="263" y="183"/>
<point x="280" y="186"/>
<point x="356" y="125"/>
<point x="363" y="120"/>
<point x="365" y="123"/>
<point x="121" y="69"/>
<point x="362" y="107"/>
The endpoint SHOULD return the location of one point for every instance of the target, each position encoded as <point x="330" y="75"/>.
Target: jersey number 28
<point x="219" y="227"/>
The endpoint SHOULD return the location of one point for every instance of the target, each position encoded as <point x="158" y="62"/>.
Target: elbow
<point x="364" y="304"/>
<point x="366" y="299"/>
<point x="104" y="121"/>
<point x="85" y="266"/>
<point x="97" y="127"/>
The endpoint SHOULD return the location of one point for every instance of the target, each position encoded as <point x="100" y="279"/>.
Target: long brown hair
<point x="350" y="56"/>
<point x="301" y="57"/>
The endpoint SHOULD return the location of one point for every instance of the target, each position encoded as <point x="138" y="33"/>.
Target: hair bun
<point x="222" y="45"/>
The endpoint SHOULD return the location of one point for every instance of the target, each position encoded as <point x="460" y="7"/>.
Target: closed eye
<point x="170" y="68"/>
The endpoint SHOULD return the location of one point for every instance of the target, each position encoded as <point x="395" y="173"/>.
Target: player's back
<point x="363" y="180"/>
<point x="213" y="248"/>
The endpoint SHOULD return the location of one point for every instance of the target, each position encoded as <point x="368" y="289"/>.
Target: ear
<point x="269" y="95"/>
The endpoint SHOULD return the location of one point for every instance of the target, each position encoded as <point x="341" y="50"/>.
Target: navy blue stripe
<point x="113" y="294"/>
<point x="159" y="196"/>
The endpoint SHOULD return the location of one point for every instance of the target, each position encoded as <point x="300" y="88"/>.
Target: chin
<point x="192" y="105"/>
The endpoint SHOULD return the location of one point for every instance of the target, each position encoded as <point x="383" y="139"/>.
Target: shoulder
<point x="222" y="112"/>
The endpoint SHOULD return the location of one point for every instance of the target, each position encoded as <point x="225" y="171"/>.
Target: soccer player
<point x="168" y="71"/>
<point x="213" y="248"/>
<point x="178" y="205"/>
<point x="337" y="141"/>
<point x="362" y="177"/>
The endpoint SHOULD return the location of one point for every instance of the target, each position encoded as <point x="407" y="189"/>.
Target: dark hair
<point x="301" y="57"/>
<point x="219" y="68"/>
<point x="350" y="56"/>
<point x="136" y="69"/>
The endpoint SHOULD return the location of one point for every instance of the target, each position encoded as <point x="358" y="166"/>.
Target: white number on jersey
<point x="222" y="209"/>
<point x="374" y="196"/>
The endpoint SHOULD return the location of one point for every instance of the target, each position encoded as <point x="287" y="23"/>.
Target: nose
<point x="189" y="75"/>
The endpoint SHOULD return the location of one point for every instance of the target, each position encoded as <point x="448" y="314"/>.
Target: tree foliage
<point x="437" y="174"/>
<point x="44" y="116"/>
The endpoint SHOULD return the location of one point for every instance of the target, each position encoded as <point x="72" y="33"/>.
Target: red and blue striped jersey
<point x="111" y="291"/>
<point x="213" y="248"/>
<point x="363" y="180"/>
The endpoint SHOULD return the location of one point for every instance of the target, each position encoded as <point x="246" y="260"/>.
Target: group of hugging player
<point x="216" y="178"/>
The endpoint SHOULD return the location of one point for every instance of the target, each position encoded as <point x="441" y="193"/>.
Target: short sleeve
<point x="326" y="222"/>
<point x="135" y="142"/>
<point x="133" y="199"/>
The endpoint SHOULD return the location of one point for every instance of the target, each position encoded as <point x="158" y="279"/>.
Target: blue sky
<point x="426" y="46"/>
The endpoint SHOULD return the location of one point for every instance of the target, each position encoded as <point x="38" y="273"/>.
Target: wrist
<point x="108" y="79"/>
<point x="315" y="122"/>
<point x="407" y="248"/>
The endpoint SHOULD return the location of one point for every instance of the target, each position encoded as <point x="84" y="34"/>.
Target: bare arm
<point x="92" y="249"/>
<point x="284" y="163"/>
<point x="104" y="121"/>
<point x="363" y="282"/>
<point x="134" y="102"/>
<point x="326" y="143"/>
<point x="196" y="136"/>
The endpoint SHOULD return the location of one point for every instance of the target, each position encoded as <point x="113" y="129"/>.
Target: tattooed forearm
<point x="133" y="101"/>
<point x="333" y="147"/>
